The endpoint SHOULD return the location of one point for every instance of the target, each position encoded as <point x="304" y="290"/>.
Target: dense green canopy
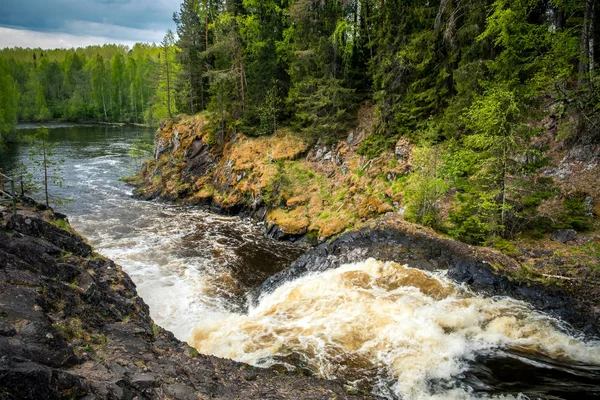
<point x="312" y="62"/>
<point x="463" y="79"/>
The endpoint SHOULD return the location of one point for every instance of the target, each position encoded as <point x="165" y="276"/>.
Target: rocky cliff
<point x="297" y="188"/>
<point x="72" y="326"/>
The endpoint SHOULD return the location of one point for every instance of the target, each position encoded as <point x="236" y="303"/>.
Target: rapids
<point x="378" y="327"/>
<point x="399" y="331"/>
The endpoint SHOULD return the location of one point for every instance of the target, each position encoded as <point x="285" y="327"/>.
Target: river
<point x="384" y="328"/>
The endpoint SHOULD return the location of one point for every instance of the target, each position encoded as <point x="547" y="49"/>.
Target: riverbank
<point x="71" y="124"/>
<point x="72" y="325"/>
<point x="317" y="192"/>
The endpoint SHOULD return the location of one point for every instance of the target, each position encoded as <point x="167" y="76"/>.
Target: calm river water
<point x="389" y="329"/>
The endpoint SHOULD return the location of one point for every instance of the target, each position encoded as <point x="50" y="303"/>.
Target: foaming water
<point x="188" y="265"/>
<point x="398" y="331"/>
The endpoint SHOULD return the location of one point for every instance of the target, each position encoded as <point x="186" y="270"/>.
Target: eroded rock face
<point x="72" y="326"/>
<point x="392" y="239"/>
<point x="200" y="160"/>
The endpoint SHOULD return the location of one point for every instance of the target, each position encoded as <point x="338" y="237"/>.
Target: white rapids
<point x="404" y="325"/>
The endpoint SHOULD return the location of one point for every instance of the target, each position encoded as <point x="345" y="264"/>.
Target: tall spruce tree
<point x="191" y="85"/>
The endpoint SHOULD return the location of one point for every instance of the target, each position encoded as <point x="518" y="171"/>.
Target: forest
<point x="466" y="81"/>
<point x="110" y="83"/>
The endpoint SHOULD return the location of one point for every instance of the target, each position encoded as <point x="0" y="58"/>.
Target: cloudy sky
<point x="74" y="23"/>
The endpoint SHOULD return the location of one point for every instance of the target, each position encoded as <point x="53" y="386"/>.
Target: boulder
<point x="563" y="235"/>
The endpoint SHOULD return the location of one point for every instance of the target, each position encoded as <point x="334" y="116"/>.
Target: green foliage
<point x="108" y="83"/>
<point x="476" y="218"/>
<point x="163" y="104"/>
<point x="25" y="182"/>
<point x="9" y="98"/>
<point x="462" y="80"/>
<point x="322" y="106"/>
<point x="191" y="85"/>
<point x="496" y="134"/>
<point x="268" y="113"/>
<point x="574" y="214"/>
<point x="424" y="188"/>
<point x="139" y="150"/>
<point x="375" y="144"/>
<point x="505" y="246"/>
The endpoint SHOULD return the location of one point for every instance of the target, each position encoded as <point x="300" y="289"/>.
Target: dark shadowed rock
<point x="200" y="160"/>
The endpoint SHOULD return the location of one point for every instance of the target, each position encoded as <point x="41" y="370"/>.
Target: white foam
<point x="417" y="326"/>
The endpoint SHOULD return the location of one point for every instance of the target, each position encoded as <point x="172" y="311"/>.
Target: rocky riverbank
<point x="318" y="191"/>
<point x="73" y="326"/>
<point x="298" y="189"/>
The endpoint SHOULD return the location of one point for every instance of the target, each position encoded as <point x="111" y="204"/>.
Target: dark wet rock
<point x="143" y="195"/>
<point x="200" y="160"/>
<point x="179" y="391"/>
<point x="392" y="239"/>
<point x="274" y="231"/>
<point x="59" y="238"/>
<point x="144" y="380"/>
<point x="563" y="235"/>
<point x="72" y="326"/>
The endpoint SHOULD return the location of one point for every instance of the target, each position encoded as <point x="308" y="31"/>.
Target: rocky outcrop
<point x="72" y="326"/>
<point x="296" y="187"/>
<point x="200" y="160"/>
<point x="484" y="270"/>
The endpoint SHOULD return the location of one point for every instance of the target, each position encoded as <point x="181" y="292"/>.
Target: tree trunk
<point x="120" y="103"/>
<point x="586" y="62"/>
<point x="142" y="96"/>
<point x="242" y="84"/>
<point x="202" y="93"/>
<point x="504" y="177"/>
<point x="192" y="108"/>
<point x="135" y="110"/>
<point x="103" y="101"/>
<point x="45" y="174"/>
<point x="240" y="59"/>
<point x="206" y="24"/>
<point x="559" y="18"/>
<point x="168" y="82"/>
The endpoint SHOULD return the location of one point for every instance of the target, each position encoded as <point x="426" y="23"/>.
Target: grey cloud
<point x="110" y="18"/>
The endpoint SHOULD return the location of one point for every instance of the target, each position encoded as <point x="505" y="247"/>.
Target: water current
<point x="383" y="328"/>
